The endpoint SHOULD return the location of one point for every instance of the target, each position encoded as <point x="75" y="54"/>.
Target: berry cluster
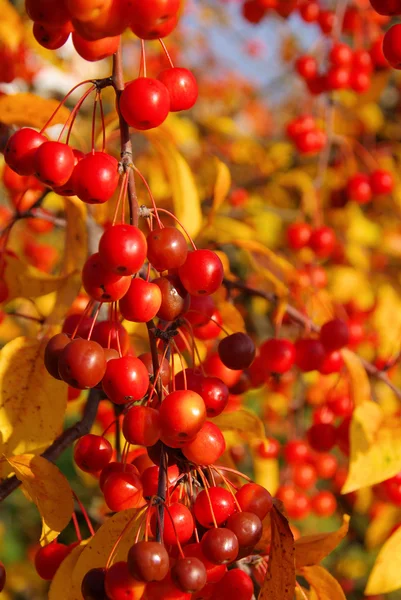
<point x="322" y="240"/>
<point x="362" y="187"/>
<point x="308" y="138"/>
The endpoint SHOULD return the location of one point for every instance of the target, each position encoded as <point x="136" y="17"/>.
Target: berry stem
<point x="85" y="514"/>
<point x="166" y="52"/>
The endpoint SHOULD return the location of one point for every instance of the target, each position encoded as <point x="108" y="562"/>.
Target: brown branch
<point x="64" y="441"/>
<point x="297" y="317"/>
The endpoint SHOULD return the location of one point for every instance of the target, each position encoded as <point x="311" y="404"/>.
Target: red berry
<point x="298" y="235"/>
<point x="182" y="87"/>
<point x="202" y="273"/>
<point x="141" y="426"/>
<point x="324" y="504"/>
<point x="307" y="67"/>
<point x="207" y="447"/>
<point x="122" y="249"/>
<point x="218" y="499"/>
<point x="277" y="355"/>
<point x="112" y="335"/>
<point x="322" y="241"/>
<point x="235" y="584"/>
<point x="54" y="163"/>
<point x="296" y="452"/>
<point x="309" y="354"/>
<point x="51" y="37"/>
<point x="214" y="367"/>
<point x="96" y="177"/>
<point x="178" y="524"/>
<point x="126" y="379"/>
<point x="392" y="46"/>
<point x="182" y="414"/>
<point x="334" y="335"/>
<point x="49" y="558"/>
<point x="100" y="283"/>
<point x="341" y="55"/>
<point x="97" y="49"/>
<point x="381" y="182"/>
<point x="145" y="103"/>
<point x="359" y="188"/>
<point x="322" y="437"/>
<point x="120" y="585"/>
<point x="254" y="498"/>
<point x="142" y="301"/>
<point x="122" y="490"/>
<point x="167" y="248"/>
<point x="82" y="364"/>
<point x="21" y="148"/>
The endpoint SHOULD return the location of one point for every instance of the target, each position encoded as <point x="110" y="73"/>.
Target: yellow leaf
<point x="279" y="583"/>
<point x="32" y="403"/>
<point x="359" y="381"/>
<point x="11" y="27"/>
<point x="302" y="182"/>
<point x="25" y="281"/>
<point x="49" y="489"/>
<point x="29" y="110"/>
<point x="232" y="319"/>
<point x="221" y="188"/>
<point x="96" y="553"/>
<point x="60" y="585"/>
<point x="381" y="525"/>
<point x="183" y="188"/>
<point x="242" y="420"/>
<point x="375" y="448"/>
<point x="226" y="230"/>
<point x="266" y="472"/>
<point x="312" y="549"/>
<point x="386" y="574"/>
<point x="324" y="586"/>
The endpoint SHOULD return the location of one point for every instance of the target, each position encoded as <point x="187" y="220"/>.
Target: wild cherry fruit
<point x="322" y="437"/>
<point x="309" y="354"/>
<point x="237" y="351"/>
<point x="215" y="395"/>
<point x="207" y="447"/>
<point x="122" y="490"/>
<point x="220" y="545"/>
<point x="122" y="249"/>
<point x="324" y="504"/>
<point x="145" y="103"/>
<point x="247" y="527"/>
<point x="148" y="561"/>
<point x="49" y="558"/>
<point x="277" y="355"/>
<point x="45" y="11"/>
<point x="235" y="584"/>
<point x="142" y="301"/>
<point x="359" y="188"/>
<point x="51" y="38"/>
<point x="182" y="87"/>
<point x="150" y="479"/>
<point x="102" y="284"/>
<point x="214" y="367"/>
<point x="54" y="163"/>
<point x="175" y="298"/>
<point x="53" y="350"/>
<point x="92" y="586"/>
<point x="387" y="7"/>
<point x="153" y="12"/>
<point x="111" y="335"/>
<point x="182" y="414"/>
<point x="189" y="574"/>
<point x="97" y="49"/>
<point x="322" y="241"/>
<point x="116" y="467"/>
<point x="298" y="235"/>
<point x="255" y="499"/>
<point x="202" y="273"/>
<point x="20" y="151"/>
<point x="392" y="46"/>
<point x="220" y="500"/>
<point x="82" y="364"/>
<point x="178" y="524"/>
<point x="381" y="182"/>
<point x="164" y="367"/>
<point x="167" y="248"/>
<point x="120" y="585"/>
<point x="92" y="453"/>
<point x="96" y="177"/>
<point x="125" y="379"/>
<point x="156" y="30"/>
<point x="141" y="426"/>
<point x="296" y="452"/>
<point x="334" y="335"/>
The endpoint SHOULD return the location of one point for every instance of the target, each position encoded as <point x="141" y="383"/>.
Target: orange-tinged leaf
<point x="244" y="421"/>
<point x="312" y="549"/>
<point x="381" y="525"/>
<point x="32" y="403"/>
<point x="60" y="585"/>
<point x="233" y="321"/>
<point x="375" y="448"/>
<point x="359" y="381"/>
<point x="279" y="583"/>
<point x="386" y="574"/>
<point x="221" y="188"/>
<point x="323" y="585"/>
<point x="96" y="553"/>
<point x="49" y="489"/>
<point x="29" y="110"/>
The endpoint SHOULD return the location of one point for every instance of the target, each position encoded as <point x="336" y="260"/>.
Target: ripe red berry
<point x="304" y="476"/>
<point x="387" y="7"/>
<point x="116" y="467"/>
<point x="54" y="163"/>
<point x="381" y="182"/>
<point x="296" y="452"/>
<point x="202" y="273"/>
<point x="341" y="405"/>
<point x="218" y="499"/>
<point x="51" y="37"/>
<point x="120" y="585"/>
<point x="182" y="414"/>
<point x="277" y="355"/>
<point x="150" y="479"/>
<point x="189" y="574"/>
<point x="182" y="87"/>
<point x="122" y="490"/>
<point x="254" y="498"/>
<point x="122" y="249"/>
<point x="237" y="351"/>
<point x="20" y="151"/>
<point x="220" y="545"/>
<point x="96" y="177"/>
<point x="53" y="350"/>
<point x="298" y="235"/>
<point x="215" y="368"/>
<point x="167" y="248"/>
<point x="154" y="11"/>
<point x="148" y="561"/>
<point x="92" y="453"/>
<point x="93" y="584"/>
<point x="142" y="301"/>
<point x="333" y="363"/>
<point x="215" y="395"/>
<point x="100" y="283"/>
<point x="338" y="78"/>
<point x="175" y="298"/>
<point x="322" y="241"/>
<point x="46" y="11"/>
<point x="269" y="448"/>
<point x="141" y="426"/>
<point x="145" y="103"/>
<point x="341" y="55"/>
<point x="96" y="49"/>
<point x="322" y="437"/>
<point x="49" y="558"/>
<point x="125" y="380"/>
<point x="309" y="354"/>
<point x="307" y="67"/>
<point x="359" y="188"/>
<point x="112" y="335"/>
<point x="392" y="46"/>
<point x="82" y="364"/>
<point x="207" y="447"/>
<point x="334" y="335"/>
<point x="178" y="524"/>
<point x="324" y="504"/>
<point x="235" y="584"/>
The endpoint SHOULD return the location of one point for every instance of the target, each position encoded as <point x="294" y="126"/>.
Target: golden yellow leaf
<point x="49" y="489"/>
<point x="96" y="553"/>
<point x="221" y="188"/>
<point x="386" y="574"/>
<point x="266" y="472"/>
<point x="226" y="230"/>
<point x="303" y="183"/>
<point x="279" y="583"/>
<point x="232" y="319"/>
<point x="242" y="420"/>
<point x="381" y="525"/>
<point x="32" y="403"/>
<point x="324" y="586"/>
<point x="359" y="380"/>
<point x="11" y="27"/>
<point x="25" y="281"/>
<point x="375" y="448"/>
<point x="28" y="110"/>
<point x="312" y="549"/>
<point x="183" y="188"/>
<point x="60" y="585"/>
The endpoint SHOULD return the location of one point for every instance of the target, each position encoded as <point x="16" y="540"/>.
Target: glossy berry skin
<point x="298" y="235"/>
<point x="334" y="335"/>
<point x="164" y="367"/>
<point x="53" y="350"/>
<point x="175" y="298"/>
<point x="103" y="285"/>
<point x="182" y="414"/>
<point x="322" y="437"/>
<point x="122" y="249"/>
<point x="333" y="363"/>
<point x="49" y="558"/>
<point x="150" y="477"/>
<point x="202" y="273"/>
<point x="54" y="163"/>
<point x="341" y="55"/>
<point x="20" y="151"/>
<point x="111" y="335"/>
<point x="82" y="364"/>
<point x="237" y="351"/>
<point x="214" y="367"/>
<point x="207" y="447"/>
<point x="116" y="467"/>
<point x="359" y="188"/>
<point x="235" y="584"/>
<point x="148" y="561"/>
<point x="142" y="301"/>
<point x="381" y="182"/>
<point x="97" y="49"/>
<point x="215" y="395"/>
<point x="68" y="188"/>
<point x="96" y="177"/>
<point x="309" y="354"/>
<point x="182" y="87"/>
<point x="304" y="476"/>
<point x="247" y="527"/>
<point x="189" y="574"/>
<point x="177" y="517"/>
<point x="222" y="502"/>
<point x="92" y="586"/>
<point x="125" y="380"/>
<point x="145" y="103"/>
<point x="214" y="572"/>
<point x="220" y="545"/>
<point x="387" y="7"/>
<point x="120" y="585"/>
<point x="269" y="448"/>
<point x="51" y="38"/>
<point x="122" y="490"/>
<point x="165" y="590"/>
<point x="167" y="248"/>
<point x="92" y="453"/>
<point x="277" y="355"/>
<point x="307" y="67"/>
<point x="254" y="498"/>
<point x="324" y="504"/>
<point x="141" y="426"/>
<point x="296" y="452"/>
<point x="151" y="13"/>
<point x="45" y="11"/>
<point x="155" y="31"/>
<point x="322" y="241"/>
<point x="392" y="46"/>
